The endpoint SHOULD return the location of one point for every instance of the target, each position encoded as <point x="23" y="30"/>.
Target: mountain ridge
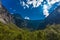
<point x="53" y="18"/>
<point x="5" y="16"/>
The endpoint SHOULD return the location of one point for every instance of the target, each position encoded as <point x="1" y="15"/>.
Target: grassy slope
<point x="12" y="32"/>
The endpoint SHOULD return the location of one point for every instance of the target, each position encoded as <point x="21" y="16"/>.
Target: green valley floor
<point x="12" y="32"/>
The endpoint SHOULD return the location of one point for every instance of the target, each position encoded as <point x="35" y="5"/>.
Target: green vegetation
<point x="12" y="32"/>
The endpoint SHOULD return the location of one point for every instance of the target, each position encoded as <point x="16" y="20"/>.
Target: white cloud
<point x="27" y="18"/>
<point x="45" y="10"/>
<point x="23" y="3"/>
<point x="46" y="7"/>
<point x="46" y="13"/>
<point x="35" y="3"/>
<point x="27" y="6"/>
<point x="51" y="2"/>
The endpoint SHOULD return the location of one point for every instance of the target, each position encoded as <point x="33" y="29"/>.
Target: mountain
<point x="53" y="18"/>
<point x="15" y="18"/>
<point x="12" y="32"/>
<point x="33" y="24"/>
<point x="23" y="23"/>
<point x="19" y="21"/>
<point x="5" y="16"/>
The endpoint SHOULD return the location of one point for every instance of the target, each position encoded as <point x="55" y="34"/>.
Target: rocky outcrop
<point x="5" y="16"/>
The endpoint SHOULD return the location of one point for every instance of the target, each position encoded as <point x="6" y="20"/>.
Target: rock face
<point x="53" y="18"/>
<point x="5" y="17"/>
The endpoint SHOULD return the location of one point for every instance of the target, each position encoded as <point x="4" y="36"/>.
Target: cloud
<point x="35" y="3"/>
<point x="45" y="10"/>
<point x="46" y="7"/>
<point x="46" y="13"/>
<point x="51" y="2"/>
<point x="27" y="18"/>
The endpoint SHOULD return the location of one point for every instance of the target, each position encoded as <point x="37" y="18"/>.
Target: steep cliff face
<point x="5" y="16"/>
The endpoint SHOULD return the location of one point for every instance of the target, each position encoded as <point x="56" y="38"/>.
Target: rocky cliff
<point x="5" y="16"/>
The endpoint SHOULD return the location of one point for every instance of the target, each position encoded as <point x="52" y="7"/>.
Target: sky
<point x="31" y="9"/>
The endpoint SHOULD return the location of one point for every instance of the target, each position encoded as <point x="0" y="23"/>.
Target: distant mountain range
<point x="23" y="23"/>
<point x="53" y="18"/>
